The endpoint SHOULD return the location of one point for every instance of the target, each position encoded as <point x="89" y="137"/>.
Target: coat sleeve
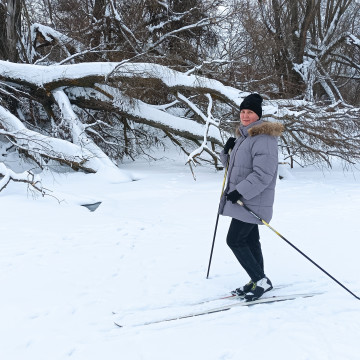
<point x="224" y="158"/>
<point x="264" y="152"/>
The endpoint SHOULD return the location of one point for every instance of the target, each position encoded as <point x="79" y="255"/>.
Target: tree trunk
<point x="13" y="29"/>
<point x="3" y="41"/>
<point x="98" y="16"/>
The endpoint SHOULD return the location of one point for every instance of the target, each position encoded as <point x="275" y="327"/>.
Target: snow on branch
<point x="50" y="77"/>
<point x="79" y="135"/>
<point x="25" y="177"/>
<point x="353" y="40"/>
<point x="143" y="113"/>
<point x="319" y="134"/>
<point x="42" y="35"/>
<point x="101" y="119"/>
<point x="39" y="146"/>
<point x="174" y="17"/>
<point x="209" y="121"/>
<point x="196" y="110"/>
<point x="84" y="84"/>
<point x="127" y="33"/>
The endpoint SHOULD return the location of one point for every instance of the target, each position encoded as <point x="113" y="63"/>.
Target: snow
<point x="41" y="75"/>
<point x="78" y="129"/>
<point x="353" y="39"/>
<point x="152" y="114"/>
<point x="36" y="142"/>
<point x="64" y="269"/>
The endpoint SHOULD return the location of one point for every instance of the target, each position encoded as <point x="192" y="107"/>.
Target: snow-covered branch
<point x="39" y="146"/>
<point x="8" y="175"/>
<point x="126" y="32"/>
<point x="141" y="112"/>
<point x="204" y="146"/>
<point x="85" y="74"/>
<point x="78" y="129"/>
<point x="42" y="35"/>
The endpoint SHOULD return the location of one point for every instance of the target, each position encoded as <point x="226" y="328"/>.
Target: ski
<point x="221" y="298"/>
<point x="232" y="297"/>
<point x="263" y="300"/>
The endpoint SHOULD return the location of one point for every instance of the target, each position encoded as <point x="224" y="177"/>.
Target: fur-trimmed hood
<point x="267" y="128"/>
<point x="260" y="127"/>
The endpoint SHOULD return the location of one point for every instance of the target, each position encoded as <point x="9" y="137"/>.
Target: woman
<point x="252" y="172"/>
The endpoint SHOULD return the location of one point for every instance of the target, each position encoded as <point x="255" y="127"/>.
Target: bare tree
<point x="298" y="49"/>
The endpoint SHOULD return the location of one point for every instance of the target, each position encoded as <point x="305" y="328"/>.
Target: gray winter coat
<point x="252" y="171"/>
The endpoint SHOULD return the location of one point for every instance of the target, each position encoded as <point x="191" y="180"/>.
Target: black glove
<point x="229" y="144"/>
<point x="233" y="196"/>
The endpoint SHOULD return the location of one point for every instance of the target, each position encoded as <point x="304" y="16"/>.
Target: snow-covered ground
<point x="65" y="270"/>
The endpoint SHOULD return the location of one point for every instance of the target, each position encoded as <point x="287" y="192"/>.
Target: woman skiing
<point x="252" y="172"/>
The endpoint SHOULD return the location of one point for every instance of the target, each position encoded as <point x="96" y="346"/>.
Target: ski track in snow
<point x="144" y="252"/>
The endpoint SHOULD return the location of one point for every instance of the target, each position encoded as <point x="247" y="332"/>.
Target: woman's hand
<point x="233" y="196"/>
<point x="229" y="145"/>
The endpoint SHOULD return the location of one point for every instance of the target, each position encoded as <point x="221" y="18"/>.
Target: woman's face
<point x="248" y="116"/>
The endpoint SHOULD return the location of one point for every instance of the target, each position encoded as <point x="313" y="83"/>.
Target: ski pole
<point x="298" y="250"/>
<point x="217" y="220"/>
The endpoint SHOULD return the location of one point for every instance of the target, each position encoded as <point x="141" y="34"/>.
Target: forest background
<point x="86" y="84"/>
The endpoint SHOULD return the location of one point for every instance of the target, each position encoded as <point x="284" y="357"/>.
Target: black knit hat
<point x="252" y="102"/>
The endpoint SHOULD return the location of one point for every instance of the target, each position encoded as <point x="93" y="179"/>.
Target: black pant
<point x="244" y="240"/>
